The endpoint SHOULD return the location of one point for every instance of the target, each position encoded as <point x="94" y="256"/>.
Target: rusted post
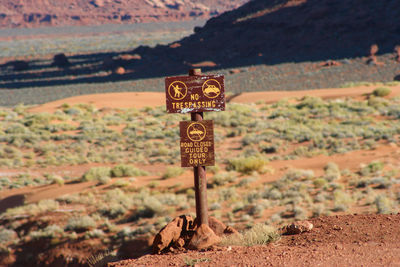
<point x="200" y="179"/>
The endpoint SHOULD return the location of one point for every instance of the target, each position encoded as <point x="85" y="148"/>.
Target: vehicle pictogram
<point x="211" y="88"/>
<point x="196" y="132"/>
<point x="177" y="90"/>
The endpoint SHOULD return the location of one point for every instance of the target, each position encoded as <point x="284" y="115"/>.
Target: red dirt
<point x="349" y="240"/>
<point x="28" y="13"/>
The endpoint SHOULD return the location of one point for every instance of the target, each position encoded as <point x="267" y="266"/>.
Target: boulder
<point x="229" y="231"/>
<point x="171" y="233"/>
<point x="204" y="237"/>
<point x="297" y="228"/>
<point x="120" y="71"/>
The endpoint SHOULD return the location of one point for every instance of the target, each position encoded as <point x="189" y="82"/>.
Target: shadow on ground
<point x="260" y="32"/>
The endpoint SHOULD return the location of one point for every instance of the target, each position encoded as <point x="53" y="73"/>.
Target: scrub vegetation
<point x="123" y="145"/>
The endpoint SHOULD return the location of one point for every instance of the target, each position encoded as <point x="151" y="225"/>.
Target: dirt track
<point x="349" y="240"/>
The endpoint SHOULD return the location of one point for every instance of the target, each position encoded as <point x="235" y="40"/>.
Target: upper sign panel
<point x="186" y="94"/>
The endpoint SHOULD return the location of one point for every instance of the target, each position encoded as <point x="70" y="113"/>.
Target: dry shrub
<point x="259" y="234"/>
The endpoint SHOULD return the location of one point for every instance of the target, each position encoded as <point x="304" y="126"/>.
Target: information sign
<point x="197" y="143"/>
<point x="198" y="93"/>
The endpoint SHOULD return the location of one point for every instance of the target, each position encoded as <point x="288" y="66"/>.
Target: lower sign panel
<point x="197" y="143"/>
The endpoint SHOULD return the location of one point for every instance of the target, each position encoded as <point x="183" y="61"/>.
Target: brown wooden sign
<point x="197" y="143"/>
<point x="187" y="94"/>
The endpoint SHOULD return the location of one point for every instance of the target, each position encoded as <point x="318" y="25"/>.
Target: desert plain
<point x="90" y="160"/>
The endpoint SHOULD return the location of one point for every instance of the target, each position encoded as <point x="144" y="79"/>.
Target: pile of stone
<point x="184" y="233"/>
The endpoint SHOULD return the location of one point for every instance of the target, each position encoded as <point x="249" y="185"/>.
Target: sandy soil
<point x="112" y="100"/>
<point x="153" y="99"/>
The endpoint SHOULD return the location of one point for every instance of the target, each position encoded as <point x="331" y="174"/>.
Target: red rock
<point x="234" y="71"/>
<point x="120" y="71"/>
<point x="130" y="57"/>
<point x="175" y="45"/>
<point x="203" y="238"/>
<point x="297" y="228"/>
<point x="204" y="64"/>
<point x="180" y="243"/>
<point x="216" y="225"/>
<point x="171" y="233"/>
<point x="229" y="231"/>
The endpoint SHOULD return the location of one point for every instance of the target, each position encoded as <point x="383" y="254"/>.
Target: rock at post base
<point x="203" y="237"/>
<point x="171" y="233"/>
<point x="229" y="231"/>
<point x="219" y="228"/>
<point x="216" y="225"/>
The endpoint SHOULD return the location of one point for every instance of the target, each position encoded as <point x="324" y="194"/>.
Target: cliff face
<point x="35" y="13"/>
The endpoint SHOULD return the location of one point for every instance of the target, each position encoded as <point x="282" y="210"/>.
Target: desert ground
<point x="284" y="180"/>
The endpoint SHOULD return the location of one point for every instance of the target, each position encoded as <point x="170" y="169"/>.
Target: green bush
<point x="372" y="168"/>
<point x="332" y="171"/>
<point x="259" y="234"/>
<point x="381" y="91"/>
<point x="97" y="174"/>
<point x="222" y="178"/>
<point x="7" y="235"/>
<point x="383" y="204"/>
<point x="50" y="231"/>
<point x="320" y="182"/>
<point x="246" y="165"/>
<point x="123" y="170"/>
<point x="112" y="210"/>
<point x="55" y="179"/>
<point x="342" y="200"/>
<point x="172" y="172"/>
<point x="80" y="223"/>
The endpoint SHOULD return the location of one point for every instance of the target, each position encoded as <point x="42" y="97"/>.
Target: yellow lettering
<point x="194" y="97"/>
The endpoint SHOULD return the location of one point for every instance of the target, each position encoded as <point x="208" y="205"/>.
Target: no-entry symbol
<point x="197" y="143"/>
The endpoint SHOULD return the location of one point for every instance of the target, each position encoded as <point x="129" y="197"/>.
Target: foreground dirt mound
<point x="362" y="240"/>
<point x="79" y="12"/>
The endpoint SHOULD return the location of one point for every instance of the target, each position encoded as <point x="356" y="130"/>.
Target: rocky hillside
<point x="272" y="32"/>
<point x="34" y="13"/>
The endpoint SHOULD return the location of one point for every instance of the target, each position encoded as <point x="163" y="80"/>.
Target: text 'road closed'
<point x="197" y="143"/>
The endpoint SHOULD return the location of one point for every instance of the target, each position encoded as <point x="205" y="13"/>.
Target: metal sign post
<point x="195" y="94"/>
<point x="200" y="178"/>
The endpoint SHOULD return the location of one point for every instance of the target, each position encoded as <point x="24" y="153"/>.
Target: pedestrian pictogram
<point x="211" y="88"/>
<point x="177" y="90"/>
